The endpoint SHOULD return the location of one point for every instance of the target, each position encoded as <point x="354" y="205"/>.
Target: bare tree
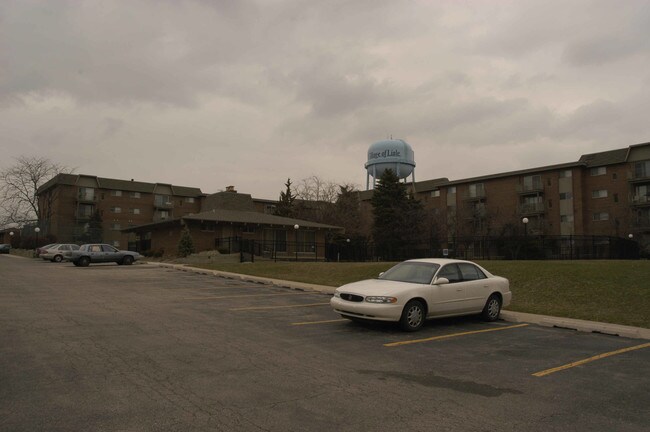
<point x="19" y="184"/>
<point x="315" y="188"/>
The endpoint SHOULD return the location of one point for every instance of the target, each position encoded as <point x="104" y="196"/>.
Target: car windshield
<point x="414" y="272"/>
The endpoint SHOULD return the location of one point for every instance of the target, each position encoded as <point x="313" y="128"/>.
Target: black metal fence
<point x="473" y="248"/>
<point x="497" y="248"/>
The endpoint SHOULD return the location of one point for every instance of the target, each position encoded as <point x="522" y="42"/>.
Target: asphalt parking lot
<point x="143" y="348"/>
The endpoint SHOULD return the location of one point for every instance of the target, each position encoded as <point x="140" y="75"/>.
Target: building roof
<point x="228" y="201"/>
<point x="117" y="184"/>
<point x="241" y="217"/>
<point x="253" y="217"/>
<point x="610" y="157"/>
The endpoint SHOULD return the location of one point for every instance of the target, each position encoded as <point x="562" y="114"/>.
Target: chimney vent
<point x="230" y="189"/>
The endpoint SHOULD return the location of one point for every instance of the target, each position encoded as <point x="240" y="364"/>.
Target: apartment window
<point x="134" y="194"/>
<point x="189" y="200"/>
<point x="86" y="194"/>
<point x="269" y="209"/>
<point x="116" y="193"/>
<point x="601" y="216"/>
<point x="598" y="171"/>
<point x="451" y="190"/>
<point x="135" y="211"/>
<point x="248" y="229"/>
<point x="164" y="214"/>
<point x="532" y="199"/>
<point x="116" y="210"/>
<point x="161" y="200"/>
<point x="642" y="169"/>
<point x="615" y="197"/>
<point x="476" y="190"/>
<point x="116" y="227"/>
<point x="566" y="174"/>
<point x="85" y="210"/>
<point x="116" y="243"/>
<point x="566" y="218"/>
<point x="602" y="193"/>
<point x="614" y="176"/>
<point x="566" y="195"/>
<point x="435" y="193"/>
<point x="532" y="183"/>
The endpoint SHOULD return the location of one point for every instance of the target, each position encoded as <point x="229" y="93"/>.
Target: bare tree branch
<point x="19" y="184"/>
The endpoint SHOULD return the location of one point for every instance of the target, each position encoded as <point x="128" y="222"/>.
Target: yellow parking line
<point x="318" y="322"/>
<point x="243" y="295"/>
<point x="393" y="344"/>
<point x="279" y="307"/>
<point x="590" y="359"/>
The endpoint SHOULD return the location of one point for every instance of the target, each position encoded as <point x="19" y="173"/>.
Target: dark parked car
<point x="99" y="253"/>
<point x="5" y="248"/>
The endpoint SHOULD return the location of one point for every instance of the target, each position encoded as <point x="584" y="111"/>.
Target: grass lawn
<point x="607" y="291"/>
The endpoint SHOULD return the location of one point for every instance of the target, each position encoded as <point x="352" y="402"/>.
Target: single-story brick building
<point x="230" y="222"/>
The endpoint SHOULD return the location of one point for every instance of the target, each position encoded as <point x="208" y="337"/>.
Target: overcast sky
<point x="247" y="93"/>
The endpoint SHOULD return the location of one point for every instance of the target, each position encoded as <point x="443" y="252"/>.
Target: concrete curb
<point x="506" y="315"/>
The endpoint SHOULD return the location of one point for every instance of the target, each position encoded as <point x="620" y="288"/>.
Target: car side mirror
<point x="381" y="274"/>
<point x="441" y="281"/>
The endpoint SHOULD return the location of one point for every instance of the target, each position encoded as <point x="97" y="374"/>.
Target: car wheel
<point x="413" y="316"/>
<point x="127" y="260"/>
<point x="83" y="262"/>
<point x="492" y="308"/>
<point x="57" y="258"/>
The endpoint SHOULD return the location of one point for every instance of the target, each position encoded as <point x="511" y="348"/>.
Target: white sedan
<point x="420" y="289"/>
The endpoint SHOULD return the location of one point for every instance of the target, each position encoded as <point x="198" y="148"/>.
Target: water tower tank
<point x="393" y="154"/>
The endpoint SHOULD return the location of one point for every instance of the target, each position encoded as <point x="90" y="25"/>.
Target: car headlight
<point x="381" y="299"/>
<point x="337" y="294"/>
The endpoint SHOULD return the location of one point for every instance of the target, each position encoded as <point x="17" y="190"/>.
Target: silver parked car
<point x="59" y="252"/>
<point x="100" y="253"/>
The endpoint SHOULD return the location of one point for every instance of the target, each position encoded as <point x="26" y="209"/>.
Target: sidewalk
<point x="506" y="315"/>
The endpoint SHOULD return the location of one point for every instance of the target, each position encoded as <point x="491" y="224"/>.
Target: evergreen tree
<point x="185" y="244"/>
<point x="93" y="230"/>
<point x="285" y="205"/>
<point x="397" y="217"/>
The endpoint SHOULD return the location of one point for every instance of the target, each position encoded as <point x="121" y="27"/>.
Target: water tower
<point x="393" y="154"/>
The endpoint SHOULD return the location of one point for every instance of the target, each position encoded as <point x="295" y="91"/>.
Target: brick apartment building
<point x="601" y="194"/>
<point x="69" y="201"/>
<point x="150" y="216"/>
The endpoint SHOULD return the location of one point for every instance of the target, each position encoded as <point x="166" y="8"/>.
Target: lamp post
<point x="37" y="230"/>
<point x="296" y="227"/>
<point x="11" y="238"/>
<point x="525" y="222"/>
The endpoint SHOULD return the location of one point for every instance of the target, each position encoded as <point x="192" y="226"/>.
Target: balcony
<point x="642" y="223"/>
<point x="640" y="200"/>
<point x="86" y="198"/>
<point x="529" y="189"/>
<point x="163" y="205"/>
<point x="159" y="218"/>
<point x="83" y="215"/>
<point x="531" y="208"/>
<point x="475" y="196"/>
<point x="641" y="176"/>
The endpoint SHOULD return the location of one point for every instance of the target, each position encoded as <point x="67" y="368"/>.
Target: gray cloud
<point x="210" y="93"/>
